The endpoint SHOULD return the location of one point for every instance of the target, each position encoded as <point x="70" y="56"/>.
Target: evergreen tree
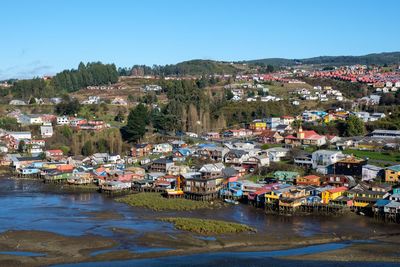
<point x="87" y="149"/>
<point x="21" y="146"/>
<point x="354" y="126"/>
<point x="136" y="125"/>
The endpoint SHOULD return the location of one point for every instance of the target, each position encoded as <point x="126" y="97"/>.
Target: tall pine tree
<point x="135" y="128"/>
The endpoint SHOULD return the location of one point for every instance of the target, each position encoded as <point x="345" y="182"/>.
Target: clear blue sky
<point x="46" y="36"/>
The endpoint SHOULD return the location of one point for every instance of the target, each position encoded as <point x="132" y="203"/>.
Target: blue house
<point x="37" y="164"/>
<point x="313" y="199"/>
<point x="30" y="170"/>
<point x="233" y="189"/>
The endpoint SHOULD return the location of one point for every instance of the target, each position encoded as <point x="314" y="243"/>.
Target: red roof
<point x="311" y="135"/>
<point x="338" y="189"/>
<point x="311" y="177"/>
<point x="267" y="133"/>
<point x="307" y="135"/>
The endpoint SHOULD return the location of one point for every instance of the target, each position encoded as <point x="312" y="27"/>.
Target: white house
<point x="323" y="158"/>
<point x="119" y="101"/>
<point x="92" y="100"/>
<point x="100" y="158"/>
<point x="30" y="119"/>
<point x="21" y="135"/>
<point x="46" y="131"/>
<point x="371" y="172"/>
<point x="62" y="120"/>
<point x="217" y="167"/>
<point x="113" y="158"/>
<point x="35" y="149"/>
<point x="17" y="102"/>
<point x="362" y="115"/>
<point x="276" y="154"/>
<point x="162" y="148"/>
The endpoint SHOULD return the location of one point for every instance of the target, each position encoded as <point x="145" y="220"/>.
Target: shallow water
<point x="23" y="253"/>
<point x="239" y="259"/>
<point x="30" y="205"/>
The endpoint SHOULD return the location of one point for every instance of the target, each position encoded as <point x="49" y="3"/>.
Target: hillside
<point x="388" y="58"/>
<point x="197" y="67"/>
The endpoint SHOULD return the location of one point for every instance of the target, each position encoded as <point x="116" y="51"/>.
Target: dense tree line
<point x="192" y="67"/>
<point x="37" y="87"/>
<point x="66" y="81"/>
<point x="86" y="75"/>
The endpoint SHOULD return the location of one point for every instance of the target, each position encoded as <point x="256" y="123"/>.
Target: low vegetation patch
<point x="208" y="227"/>
<point x="375" y="155"/>
<point x="157" y="202"/>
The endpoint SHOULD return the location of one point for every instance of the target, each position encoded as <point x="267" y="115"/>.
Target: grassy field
<point x="375" y="155"/>
<point x="208" y="227"/>
<point x="157" y="202"/>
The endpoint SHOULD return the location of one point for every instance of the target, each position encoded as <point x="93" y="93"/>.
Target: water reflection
<point x="32" y="205"/>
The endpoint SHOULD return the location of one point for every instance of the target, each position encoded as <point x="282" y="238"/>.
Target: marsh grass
<point x="155" y="201"/>
<point x="208" y="227"/>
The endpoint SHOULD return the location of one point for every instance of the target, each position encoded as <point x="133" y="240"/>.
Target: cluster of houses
<point x="322" y="94"/>
<point x="336" y="180"/>
<point x="362" y="74"/>
<point x="238" y="90"/>
<point x="47" y="121"/>
<point x="227" y="162"/>
<point x="95" y="100"/>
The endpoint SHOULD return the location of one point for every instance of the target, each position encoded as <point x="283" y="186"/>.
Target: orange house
<point x="309" y="180"/>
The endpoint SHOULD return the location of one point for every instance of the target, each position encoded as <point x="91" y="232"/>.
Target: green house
<point x="286" y="177"/>
<point x="58" y="176"/>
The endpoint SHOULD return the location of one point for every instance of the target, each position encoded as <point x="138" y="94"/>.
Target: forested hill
<point x="195" y="67"/>
<point x="66" y="81"/>
<point x="388" y="58"/>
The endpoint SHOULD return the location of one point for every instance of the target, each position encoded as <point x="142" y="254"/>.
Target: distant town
<point x="302" y="139"/>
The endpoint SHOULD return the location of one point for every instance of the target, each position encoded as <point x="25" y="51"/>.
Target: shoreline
<point x="69" y="250"/>
<point x="64" y="249"/>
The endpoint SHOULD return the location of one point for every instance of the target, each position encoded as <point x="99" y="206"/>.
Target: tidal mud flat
<point x="40" y="226"/>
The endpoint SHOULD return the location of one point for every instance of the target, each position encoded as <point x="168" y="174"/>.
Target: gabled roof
<point x="281" y="127"/>
<point x="395" y="168"/>
<point x="268" y="133"/>
<point x="212" y="167"/>
<point x="382" y="202"/>
<point x="338" y="189"/>
<point x="311" y="177"/>
<point x="162" y="161"/>
<point x="393" y="204"/>
<point x="238" y="152"/>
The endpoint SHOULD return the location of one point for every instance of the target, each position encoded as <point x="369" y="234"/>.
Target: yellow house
<point x="329" y="118"/>
<point x="368" y="197"/>
<point x="332" y="194"/>
<point x="258" y="126"/>
<point x="392" y="174"/>
<point x="50" y="166"/>
<point x="271" y="197"/>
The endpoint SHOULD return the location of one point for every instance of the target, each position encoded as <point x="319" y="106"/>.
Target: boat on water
<point x="231" y="201"/>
